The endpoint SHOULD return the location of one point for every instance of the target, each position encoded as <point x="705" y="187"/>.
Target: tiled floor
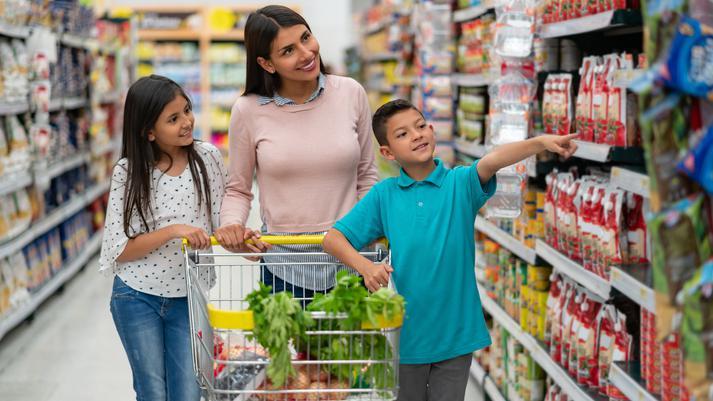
<point x="71" y="351"/>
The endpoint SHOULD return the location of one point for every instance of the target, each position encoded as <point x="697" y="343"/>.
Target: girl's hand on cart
<point x="376" y="276"/>
<point x="197" y="237"/>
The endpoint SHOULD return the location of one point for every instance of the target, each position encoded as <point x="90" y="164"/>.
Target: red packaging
<point x="577" y="323"/>
<point x="569" y="317"/>
<point x="597" y="229"/>
<point x="644" y="347"/>
<point x="636" y="230"/>
<point x="564" y="89"/>
<point x="554" y="308"/>
<point x="587" y="346"/>
<point x="564" y="219"/>
<point x="653" y="381"/>
<point x="557" y="318"/>
<point x="607" y="336"/>
<point x="549" y="120"/>
<point x="583" y="109"/>
<point x="551" y="209"/>
<point x="615" y="238"/>
<point x="672" y="369"/>
<point x="622" y="353"/>
<point x="585" y="225"/>
<point x="600" y="92"/>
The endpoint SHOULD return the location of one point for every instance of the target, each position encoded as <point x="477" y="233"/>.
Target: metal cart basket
<point x="231" y="365"/>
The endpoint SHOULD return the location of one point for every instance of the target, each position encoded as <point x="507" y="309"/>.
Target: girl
<point x="166" y="186"/>
<point x="306" y="136"/>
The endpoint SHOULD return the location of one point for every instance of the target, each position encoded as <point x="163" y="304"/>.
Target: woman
<point x="307" y="137"/>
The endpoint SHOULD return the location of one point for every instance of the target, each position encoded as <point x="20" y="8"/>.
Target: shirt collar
<point x="283" y="101"/>
<point x="436" y="177"/>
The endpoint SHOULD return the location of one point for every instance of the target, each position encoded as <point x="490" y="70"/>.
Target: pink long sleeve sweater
<point x="313" y="161"/>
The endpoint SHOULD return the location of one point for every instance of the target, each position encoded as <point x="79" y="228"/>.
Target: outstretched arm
<point x="375" y="276"/>
<point x="511" y="153"/>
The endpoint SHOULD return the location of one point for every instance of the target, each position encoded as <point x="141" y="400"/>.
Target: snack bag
<point x="637" y="242"/>
<point x="587" y="348"/>
<point x="583" y="109"/>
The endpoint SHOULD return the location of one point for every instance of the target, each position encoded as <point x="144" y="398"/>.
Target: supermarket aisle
<point x="71" y="350"/>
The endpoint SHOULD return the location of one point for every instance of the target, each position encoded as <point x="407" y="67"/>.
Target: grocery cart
<point x="231" y="365"/>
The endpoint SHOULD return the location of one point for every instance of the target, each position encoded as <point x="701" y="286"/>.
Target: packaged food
<point x="587" y="347"/>
<point x="637" y="242"/>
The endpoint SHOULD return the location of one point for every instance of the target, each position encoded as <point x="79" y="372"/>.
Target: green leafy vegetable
<point x="278" y="318"/>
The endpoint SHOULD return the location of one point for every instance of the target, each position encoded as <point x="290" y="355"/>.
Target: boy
<point x="427" y="214"/>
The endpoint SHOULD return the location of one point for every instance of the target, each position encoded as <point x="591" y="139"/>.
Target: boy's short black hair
<point x="384" y="113"/>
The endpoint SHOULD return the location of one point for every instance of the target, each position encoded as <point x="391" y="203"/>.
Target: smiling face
<point x="174" y="127"/>
<point x="294" y="55"/>
<point x="410" y="139"/>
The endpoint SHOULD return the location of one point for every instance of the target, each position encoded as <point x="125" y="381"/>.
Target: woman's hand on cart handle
<point x="234" y="238"/>
<point x="376" y="276"/>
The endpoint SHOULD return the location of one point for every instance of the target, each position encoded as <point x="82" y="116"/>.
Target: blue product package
<point x="698" y="163"/>
<point x="690" y="62"/>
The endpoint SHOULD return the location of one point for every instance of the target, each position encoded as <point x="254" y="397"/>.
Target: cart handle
<point x="315" y="239"/>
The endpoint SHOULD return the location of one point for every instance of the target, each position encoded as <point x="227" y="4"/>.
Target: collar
<point x="436" y="177"/>
<point x="283" y="101"/>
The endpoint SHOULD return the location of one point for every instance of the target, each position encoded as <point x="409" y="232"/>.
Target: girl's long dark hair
<point x="260" y="31"/>
<point x="145" y="101"/>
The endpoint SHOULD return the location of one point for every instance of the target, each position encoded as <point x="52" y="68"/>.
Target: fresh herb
<point x="278" y="318"/>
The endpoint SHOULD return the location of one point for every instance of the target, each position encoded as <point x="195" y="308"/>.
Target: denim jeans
<point x="155" y="333"/>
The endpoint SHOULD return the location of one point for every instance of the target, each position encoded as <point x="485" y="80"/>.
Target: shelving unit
<point x="15" y="182"/>
<point x="607" y="20"/>
<point x="53" y="219"/>
<point x="470" y="13"/>
<point x="573" y="270"/>
<point x="470" y="149"/>
<point x="13" y="108"/>
<point x="480" y="376"/>
<point x="17" y="316"/>
<point x="473" y="79"/>
<point x="606" y="153"/>
<point x="631" y="181"/>
<point x="633" y="289"/>
<point x="539" y="354"/>
<point x="628" y="381"/>
<point x="503" y="238"/>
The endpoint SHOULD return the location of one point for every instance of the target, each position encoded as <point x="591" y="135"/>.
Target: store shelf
<point x="592" y="23"/>
<point x="470" y="149"/>
<point x="606" y="153"/>
<point x="109" y="97"/>
<point x="378" y="57"/>
<point x="630" y="181"/>
<point x="10" y="183"/>
<point x="74" y="102"/>
<point x="508" y="241"/>
<point x="13" y="31"/>
<point x="568" y="385"/>
<point x="473" y="79"/>
<point x="17" y="316"/>
<point x="573" y="270"/>
<point x="470" y="13"/>
<point x="481" y="377"/>
<point x="75" y="41"/>
<point x="633" y="289"/>
<point x="7" y="108"/>
<point x="109" y="147"/>
<point x="169" y="34"/>
<point x="237" y="36"/>
<point x="627" y="382"/>
<point x="55" y="105"/>
<point x="59" y="215"/>
<point x="53" y="170"/>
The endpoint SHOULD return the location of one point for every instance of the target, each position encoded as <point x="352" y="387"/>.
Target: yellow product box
<point x="538" y="277"/>
<point x="540" y="200"/>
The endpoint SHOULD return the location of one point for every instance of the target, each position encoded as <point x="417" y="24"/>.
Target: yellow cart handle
<point x="277" y="240"/>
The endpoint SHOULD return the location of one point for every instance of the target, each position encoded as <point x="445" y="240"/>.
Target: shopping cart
<point x="231" y="365"/>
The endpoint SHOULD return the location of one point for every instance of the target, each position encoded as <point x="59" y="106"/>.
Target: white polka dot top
<point x="162" y="271"/>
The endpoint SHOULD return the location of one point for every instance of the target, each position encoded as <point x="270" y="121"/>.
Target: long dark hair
<point x="145" y="101"/>
<point x="260" y="31"/>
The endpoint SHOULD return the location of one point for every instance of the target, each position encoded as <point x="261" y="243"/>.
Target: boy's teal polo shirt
<point x="429" y="225"/>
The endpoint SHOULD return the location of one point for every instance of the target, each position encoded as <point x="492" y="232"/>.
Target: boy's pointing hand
<point x="562" y="145"/>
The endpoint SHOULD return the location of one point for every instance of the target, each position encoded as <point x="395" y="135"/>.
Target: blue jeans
<point x="155" y="333"/>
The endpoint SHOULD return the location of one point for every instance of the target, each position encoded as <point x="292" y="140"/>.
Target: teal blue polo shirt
<point x="429" y="225"/>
